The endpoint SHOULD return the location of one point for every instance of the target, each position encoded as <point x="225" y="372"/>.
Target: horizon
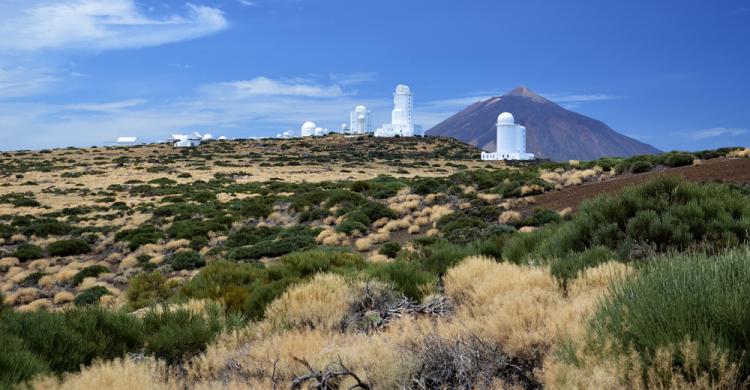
<point x="85" y="72"/>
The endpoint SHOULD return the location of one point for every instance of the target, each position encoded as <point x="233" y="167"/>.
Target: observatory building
<point x="360" y="121"/>
<point x="402" y="117"/>
<point x="511" y="140"/>
<point x="308" y="129"/>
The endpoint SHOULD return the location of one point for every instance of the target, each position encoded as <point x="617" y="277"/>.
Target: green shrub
<point x="146" y="234"/>
<point x="569" y="267"/>
<point x="17" y="363"/>
<point x="540" y="217"/>
<point x="90" y="296"/>
<point x="46" y="228"/>
<point x="35" y="342"/>
<point x="147" y="289"/>
<point x="406" y="277"/>
<point x="663" y="214"/>
<point x="390" y="249"/>
<point x="682" y="297"/>
<point x="176" y="335"/>
<point x="349" y="226"/>
<point x="186" y="260"/>
<point x="286" y="241"/>
<point x="251" y="235"/>
<point x="641" y="166"/>
<point x="26" y="252"/>
<point x="68" y="248"/>
<point x="679" y="160"/>
<point x="90" y="271"/>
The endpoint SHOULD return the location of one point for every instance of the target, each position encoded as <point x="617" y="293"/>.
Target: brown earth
<point x="736" y="170"/>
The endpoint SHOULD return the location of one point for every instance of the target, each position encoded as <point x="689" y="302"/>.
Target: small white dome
<point x="506" y="118"/>
<point x="308" y="129"/>
<point x="360" y="109"/>
<point x="402" y="89"/>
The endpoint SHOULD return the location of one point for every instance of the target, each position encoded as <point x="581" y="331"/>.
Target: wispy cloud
<point x="353" y="78"/>
<point x="22" y="81"/>
<point x="247" y="3"/>
<point x="30" y="25"/>
<point x="717" y="132"/>
<point x="263" y="86"/>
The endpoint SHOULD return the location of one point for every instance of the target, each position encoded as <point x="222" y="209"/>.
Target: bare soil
<point x="736" y="170"/>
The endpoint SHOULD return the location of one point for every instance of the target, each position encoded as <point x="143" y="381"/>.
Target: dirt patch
<point x="715" y="170"/>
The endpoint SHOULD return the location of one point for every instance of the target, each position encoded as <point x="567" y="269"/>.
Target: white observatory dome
<point x="360" y="109"/>
<point x="506" y="118"/>
<point x="402" y="89"/>
<point x="308" y="129"/>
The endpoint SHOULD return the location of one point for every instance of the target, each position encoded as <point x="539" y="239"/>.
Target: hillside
<point x="380" y="263"/>
<point x="552" y="131"/>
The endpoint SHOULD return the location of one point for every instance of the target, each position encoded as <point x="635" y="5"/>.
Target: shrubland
<point x="204" y="270"/>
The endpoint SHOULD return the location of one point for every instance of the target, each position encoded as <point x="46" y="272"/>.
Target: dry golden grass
<point x="740" y="153"/>
<point x="363" y="244"/>
<point x="507" y="217"/>
<point x="39" y="304"/>
<point x="318" y="304"/>
<point x="120" y="374"/>
<point x="63" y="297"/>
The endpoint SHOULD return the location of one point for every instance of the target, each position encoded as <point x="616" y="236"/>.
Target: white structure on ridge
<point x="402" y="117"/>
<point x="308" y="129"/>
<point x="285" y="135"/>
<point x="124" y="141"/>
<point x="186" y="141"/>
<point x="511" y="140"/>
<point x="360" y="121"/>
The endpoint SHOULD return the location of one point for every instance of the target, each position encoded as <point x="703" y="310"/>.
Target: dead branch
<point x="329" y="379"/>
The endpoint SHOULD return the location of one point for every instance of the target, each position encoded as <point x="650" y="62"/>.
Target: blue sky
<point x="675" y="74"/>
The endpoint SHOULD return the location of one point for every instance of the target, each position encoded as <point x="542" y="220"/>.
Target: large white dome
<point x="506" y="118"/>
<point x="308" y="129"/>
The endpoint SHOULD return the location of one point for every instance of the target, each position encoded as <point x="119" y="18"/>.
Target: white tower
<point x="308" y="129"/>
<point x="360" y="121"/>
<point x="402" y="117"/>
<point x="511" y="140"/>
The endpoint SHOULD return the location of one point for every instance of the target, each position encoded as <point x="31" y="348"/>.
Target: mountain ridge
<point x="552" y="131"/>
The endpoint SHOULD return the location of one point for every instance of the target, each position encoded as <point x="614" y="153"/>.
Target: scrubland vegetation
<point x="198" y="272"/>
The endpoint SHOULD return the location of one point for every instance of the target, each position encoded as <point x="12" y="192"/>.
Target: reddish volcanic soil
<point x="715" y="170"/>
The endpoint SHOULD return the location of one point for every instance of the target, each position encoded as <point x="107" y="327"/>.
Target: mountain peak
<point x="524" y="91"/>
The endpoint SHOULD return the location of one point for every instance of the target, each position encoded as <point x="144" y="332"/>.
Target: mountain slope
<point x="551" y="131"/>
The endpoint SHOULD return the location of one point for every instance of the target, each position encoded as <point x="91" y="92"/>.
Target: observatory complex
<point x="360" y="121"/>
<point x="402" y="117"/>
<point x="511" y="141"/>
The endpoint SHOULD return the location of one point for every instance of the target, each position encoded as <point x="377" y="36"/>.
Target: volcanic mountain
<point x="551" y="131"/>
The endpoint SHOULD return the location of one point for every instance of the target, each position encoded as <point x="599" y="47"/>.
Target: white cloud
<point x="106" y="107"/>
<point x="353" y="78"/>
<point x="717" y="132"/>
<point x="28" y="25"/>
<point x="21" y="81"/>
<point x="263" y="86"/>
<point x="246" y="3"/>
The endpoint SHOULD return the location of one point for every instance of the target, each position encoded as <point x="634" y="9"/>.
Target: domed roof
<point x="506" y="118"/>
<point x="401" y="88"/>
<point x="308" y="129"/>
<point x="360" y="109"/>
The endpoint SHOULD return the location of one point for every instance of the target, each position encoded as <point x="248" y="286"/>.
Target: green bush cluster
<point x="43" y="342"/>
<point x="90" y="296"/>
<point x="147" y="289"/>
<point x="186" y="260"/>
<point x="272" y="242"/>
<point x="68" y="248"/>
<point x="26" y="252"/>
<point x="146" y="234"/>
<point x="663" y="214"/>
<point x="678" y="298"/>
